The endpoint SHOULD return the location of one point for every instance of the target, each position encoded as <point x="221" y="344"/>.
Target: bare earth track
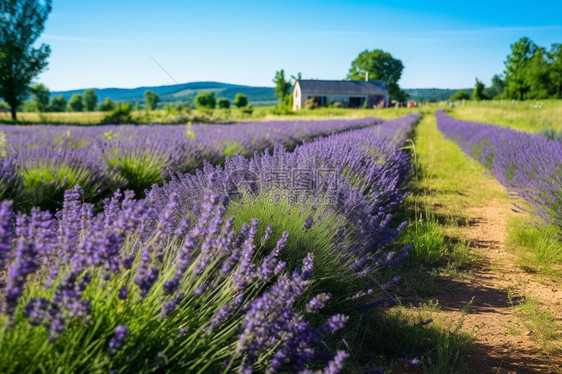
<point x="497" y="285"/>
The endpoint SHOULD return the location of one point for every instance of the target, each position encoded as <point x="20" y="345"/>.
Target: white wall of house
<point x="297" y="97"/>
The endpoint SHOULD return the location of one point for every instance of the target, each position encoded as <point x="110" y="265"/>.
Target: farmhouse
<point x="309" y="92"/>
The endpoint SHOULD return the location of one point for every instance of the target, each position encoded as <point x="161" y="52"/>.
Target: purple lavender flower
<point x="119" y="335"/>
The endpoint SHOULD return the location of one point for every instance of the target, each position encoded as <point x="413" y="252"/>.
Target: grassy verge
<point x="542" y="324"/>
<point x="434" y="212"/>
<point x="524" y="116"/>
<point x="539" y="247"/>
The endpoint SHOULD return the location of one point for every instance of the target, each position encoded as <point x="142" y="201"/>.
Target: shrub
<point x="205" y="101"/>
<point x="120" y="114"/>
<point x="223" y="103"/>
<point x="75" y="104"/>
<point x="240" y="100"/>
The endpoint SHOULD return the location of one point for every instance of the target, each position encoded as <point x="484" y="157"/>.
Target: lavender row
<point x="39" y="162"/>
<point x="172" y="282"/>
<point x="531" y="165"/>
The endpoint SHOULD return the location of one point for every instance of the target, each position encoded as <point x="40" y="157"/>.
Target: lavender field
<point x="249" y="263"/>
<point x="40" y="162"/>
<point x="530" y="165"/>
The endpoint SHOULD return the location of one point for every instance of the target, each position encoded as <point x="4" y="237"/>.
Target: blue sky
<point x="442" y="44"/>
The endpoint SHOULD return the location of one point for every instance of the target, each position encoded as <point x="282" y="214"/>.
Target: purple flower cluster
<point x="359" y="175"/>
<point x="530" y="165"/>
<point x="104" y="158"/>
<point x="176" y="248"/>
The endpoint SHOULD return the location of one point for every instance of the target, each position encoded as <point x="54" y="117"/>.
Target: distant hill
<point x="257" y="96"/>
<point x="432" y="94"/>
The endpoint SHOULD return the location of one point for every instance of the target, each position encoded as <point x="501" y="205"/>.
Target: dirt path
<point x="503" y="344"/>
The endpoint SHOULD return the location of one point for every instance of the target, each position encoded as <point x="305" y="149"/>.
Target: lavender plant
<point x="104" y="158"/>
<point x="530" y="165"/>
<point x="173" y="282"/>
<point x="89" y="292"/>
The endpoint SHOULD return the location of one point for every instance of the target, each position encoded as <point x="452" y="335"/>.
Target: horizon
<point x="130" y="45"/>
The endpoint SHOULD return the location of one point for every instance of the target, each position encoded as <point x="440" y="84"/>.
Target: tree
<point x="240" y="100"/>
<point x="75" y="104"/>
<point x="497" y="87"/>
<point x="282" y="87"/>
<point x="381" y="66"/>
<point x="40" y="97"/>
<point x="478" y="92"/>
<point x="223" y="103"/>
<point x="205" y="101"/>
<point x="90" y="99"/>
<point x="57" y="104"/>
<point x="22" y="22"/>
<point x="555" y="58"/>
<point x="516" y="67"/>
<point x="151" y="100"/>
<point x="108" y="105"/>
<point x="460" y="95"/>
<point x="537" y="75"/>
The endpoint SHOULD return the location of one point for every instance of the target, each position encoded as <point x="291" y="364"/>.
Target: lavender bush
<point x="104" y="158"/>
<point x="530" y="165"/>
<point x="173" y="282"/>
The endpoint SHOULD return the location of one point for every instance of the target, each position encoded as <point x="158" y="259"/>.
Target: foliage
<point x="478" y="92"/>
<point x="205" y="101"/>
<point x="90" y="99"/>
<point x="240" y="100"/>
<point x="532" y="72"/>
<point x="151" y="100"/>
<point x="75" y="104"/>
<point x="57" y="104"/>
<point x="282" y="87"/>
<point x="496" y="89"/>
<point x="381" y="66"/>
<point x="170" y="283"/>
<point x="143" y="155"/>
<point x="40" y="96"/>
<point x="120" y="114"/>
<point x="460" y="95"/>
<point x="248" y="109"/>
<point x="22" y="22"/>
<point x="107" y="105"/>
<point x="223" y="103"/>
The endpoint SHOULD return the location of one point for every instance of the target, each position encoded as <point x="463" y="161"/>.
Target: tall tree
<point x="555" y="58"/>
<point x="90" y="99"/>
<point x="21" y="24"/>
<point x="516" y="66"/>
<point x="151" y="100"/>
<point x="381" y="66"/>
<point x="282" y="86"/>
<point x="40" y="97"/>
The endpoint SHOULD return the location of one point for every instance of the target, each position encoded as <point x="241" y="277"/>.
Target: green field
<point x="531" y="115"/>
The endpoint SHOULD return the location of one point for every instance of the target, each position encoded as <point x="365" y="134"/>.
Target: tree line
<point x="531" y="72"/>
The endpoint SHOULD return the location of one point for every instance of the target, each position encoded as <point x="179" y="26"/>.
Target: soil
<point x="502" y="342"/>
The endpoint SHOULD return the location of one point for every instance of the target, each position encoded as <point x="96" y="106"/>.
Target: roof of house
<point x="344" y="87"/>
